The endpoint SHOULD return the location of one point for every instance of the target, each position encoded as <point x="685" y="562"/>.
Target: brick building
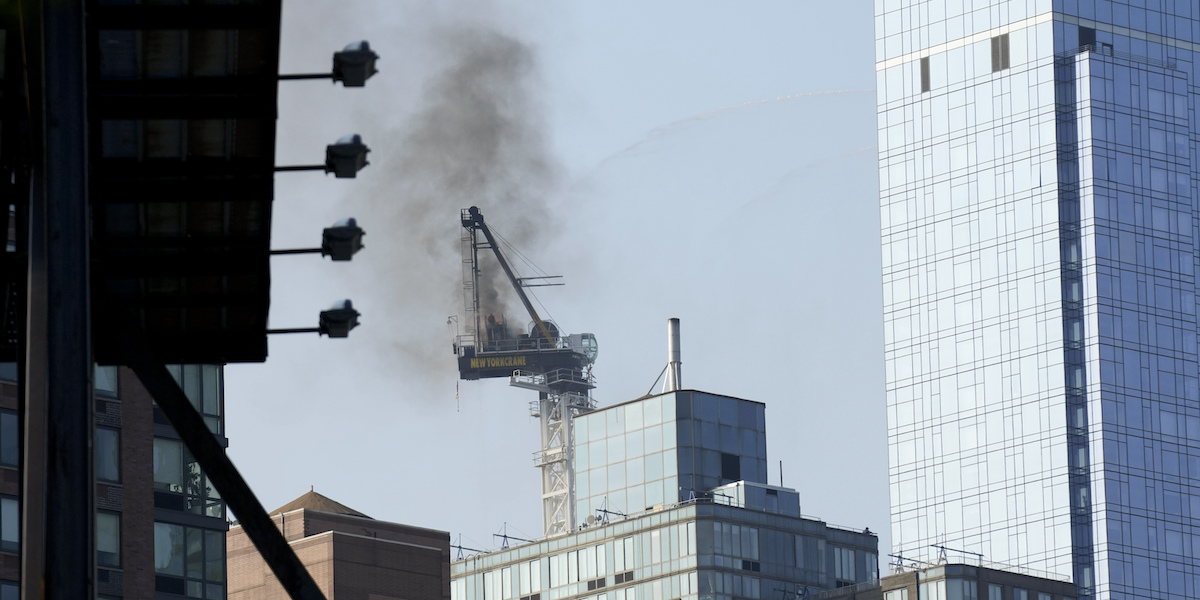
<point x="148" y="489"/>
<point x="350" y="555"/>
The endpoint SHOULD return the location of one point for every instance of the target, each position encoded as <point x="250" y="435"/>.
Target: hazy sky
<point x="702" y="160"/>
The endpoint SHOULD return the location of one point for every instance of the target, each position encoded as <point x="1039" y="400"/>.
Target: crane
<point x="556" y="366"/>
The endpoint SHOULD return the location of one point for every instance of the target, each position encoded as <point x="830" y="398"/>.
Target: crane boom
<point x="474" y="218"/>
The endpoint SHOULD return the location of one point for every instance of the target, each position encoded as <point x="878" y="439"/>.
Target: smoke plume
<point x="476" y="139"/>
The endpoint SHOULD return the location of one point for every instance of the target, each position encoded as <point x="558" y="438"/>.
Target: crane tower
<point x="555" y="365"/>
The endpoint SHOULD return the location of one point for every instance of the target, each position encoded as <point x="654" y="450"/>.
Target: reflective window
<point x="10" y="436"/>
<point x="10" y="524"/>
<point x="106" y="381"/>
<point x="932" y="590"/>
<point x="843" y="564"/>
<point x="202" y="385"/>
<point x="961" y="589"/>
<point x="107" y="453"/>
<point x="189" y="560"/>
<point x="179" y="482"/>
<point x="108" y="539"/>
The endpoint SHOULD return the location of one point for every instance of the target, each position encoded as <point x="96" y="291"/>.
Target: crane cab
<point x="583" y="343"/>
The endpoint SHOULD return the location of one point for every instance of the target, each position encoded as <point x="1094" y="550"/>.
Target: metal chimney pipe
<point x="674" y="365"/>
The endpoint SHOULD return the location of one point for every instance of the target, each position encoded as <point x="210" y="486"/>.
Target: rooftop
<point x="311" y="500"/>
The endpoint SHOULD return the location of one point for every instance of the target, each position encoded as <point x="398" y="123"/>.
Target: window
<point x="10" y="439"/>
<point x="108" y="539"/>
<point x="10" y="590"/>
<point x="10" y="524"/>
<point x="623" y="555"/>
<point x="1087" y="37"/>
<point x="731" y="467"/>
<point x="900" y="594"/>
<point x="961" y="589"/>
<point x="106" y="381"/>
<point x="202" y="385"/>
<point x="1020" y="594"/>
<point x="491" y="587"/>
<point x="8" y="371"/>
<point x="934" y="590"/>
<point x="189" y="561"/>
<point x="536" y="575"/>
<point x="1000" y="53"/>
<point x="179" y="483"/>
<point x="108" y="454"/>
<point x="118" y="54"/>
<point x="925" y="82"/>
<point x="843" y="564"/>
<point x="995" y="592"/>
<point x="523" y="579"/>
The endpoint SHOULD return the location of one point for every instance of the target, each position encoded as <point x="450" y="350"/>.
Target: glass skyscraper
<point x="1039" y="228"/>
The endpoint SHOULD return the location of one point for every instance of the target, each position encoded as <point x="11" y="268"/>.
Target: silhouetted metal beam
<point x="69" y="568"/>
<point x="188" y="16"/>
<point x="216" y="465"/>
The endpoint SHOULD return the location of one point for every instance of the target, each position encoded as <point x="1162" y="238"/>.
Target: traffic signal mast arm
<point x="477" y="221"/>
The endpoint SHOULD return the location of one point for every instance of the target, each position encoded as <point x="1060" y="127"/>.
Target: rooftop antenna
<point x="461" y="548"/>
<point x="943" y="549"/>
<point x="504" y="537"/>
<point x="605" y="511"/>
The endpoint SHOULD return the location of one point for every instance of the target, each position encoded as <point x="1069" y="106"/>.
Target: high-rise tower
<point x="1039" y="252"/>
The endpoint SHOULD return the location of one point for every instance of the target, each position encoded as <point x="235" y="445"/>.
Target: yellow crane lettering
<point x="498" y="361"/>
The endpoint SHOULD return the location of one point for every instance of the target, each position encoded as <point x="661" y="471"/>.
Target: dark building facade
<point x="159" y="525"/>
<point x="137" y="150"/>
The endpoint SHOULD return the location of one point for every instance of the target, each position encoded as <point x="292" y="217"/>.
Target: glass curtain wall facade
<point x="665" y="449"/>
<point x="1039" y="232"/>
<point x="696" y="551"/>
<point x="189" y="515"/>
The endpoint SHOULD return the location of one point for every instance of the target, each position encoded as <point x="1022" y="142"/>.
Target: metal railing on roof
<point x="1107" y="50"/>
<point x="844" y="590"/>
<point x="906" y="565"/>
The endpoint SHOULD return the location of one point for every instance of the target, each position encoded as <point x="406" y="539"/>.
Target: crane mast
<point x="558" y="367"/>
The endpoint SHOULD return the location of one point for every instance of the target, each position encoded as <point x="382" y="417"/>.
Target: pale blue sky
<point x="756" y="224"/>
